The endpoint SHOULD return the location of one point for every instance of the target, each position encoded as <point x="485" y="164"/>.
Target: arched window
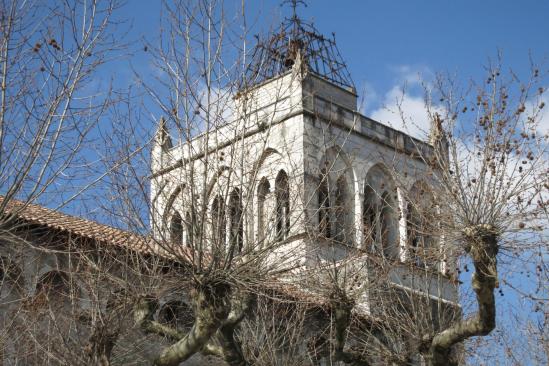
<point x="389" y="226"/>
<point x="420" y="225"/>
<point x="218" y="223"/>
<point x="172" y="220"/>
<point x="324" y="205"/>
<point x="335" y="197"/>
<point x="341" y="209"/>
<point x="236" y="233"/>
<point x="413" y="231"/>
<point x="380" y="213"/>
<point x="54" y="285"/>
<point x="282" y="189"/>
<point x="176" y="228"/>
<point x="263" y="191"/>
<point x="370" y="218"/>
<point x="10" y="275"/>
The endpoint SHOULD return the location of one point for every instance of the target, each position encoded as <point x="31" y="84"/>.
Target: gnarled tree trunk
<point x="211" y="310"/>
<point x="482" y="246"/>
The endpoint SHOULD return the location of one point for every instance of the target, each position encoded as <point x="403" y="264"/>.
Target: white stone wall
<point x="296" y="124"/>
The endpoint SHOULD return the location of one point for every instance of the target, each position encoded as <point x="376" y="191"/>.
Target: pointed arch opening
<point x="282" y="191"/>
<point x="420" y="226"/>
<point x="389" y="225"/>
<point x="236" y="233"/>
<point x="218" y="223"/>
<point x="370" y="218"/>
<point x="341" y="210"/>
<point x="176" y="228"/>
<point x="324" y="205"/>
<point x="336" y="195"/>
<point x="54" y="287"/>
<point x="380" y="210"/>
<point x="172" y="206"/>
<point x="263" y="190"/>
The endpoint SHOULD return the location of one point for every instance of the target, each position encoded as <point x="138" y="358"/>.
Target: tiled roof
<point x="39" y="215"/>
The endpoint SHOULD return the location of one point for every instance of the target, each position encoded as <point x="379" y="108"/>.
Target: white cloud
<point x="403" y="106"/>
<point x="368" y="97"/>
<point x="405" y="112"/>
<point x="543" y="121"/>
<point x="411" y="75"/>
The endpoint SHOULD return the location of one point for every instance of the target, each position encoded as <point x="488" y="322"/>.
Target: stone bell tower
<point x="313" y="172"/>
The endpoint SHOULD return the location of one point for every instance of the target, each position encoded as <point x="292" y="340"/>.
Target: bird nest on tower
<point x="296" y="41"/>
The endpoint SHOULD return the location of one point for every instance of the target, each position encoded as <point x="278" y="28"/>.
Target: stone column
<point x="359" y="230"/>
<point x="403" y="213"/>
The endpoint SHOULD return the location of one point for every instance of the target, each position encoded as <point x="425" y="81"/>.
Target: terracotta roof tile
<point x="39" y="215"/>
<point x="36" y="214"/>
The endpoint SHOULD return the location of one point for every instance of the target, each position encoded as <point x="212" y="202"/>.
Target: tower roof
<point x="293" y="39"/>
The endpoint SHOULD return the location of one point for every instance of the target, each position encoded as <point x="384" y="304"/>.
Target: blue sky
<point x="377" y="36"/>
<point x="387" y="43"/>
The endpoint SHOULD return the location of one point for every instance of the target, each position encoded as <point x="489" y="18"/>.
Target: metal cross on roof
<point x="276" y="53"/>
<point x="294" y="4"/>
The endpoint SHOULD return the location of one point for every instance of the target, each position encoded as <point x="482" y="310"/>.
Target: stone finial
<point x="299" y="67"/>
<point x="436" y="132"/>
<point x="162" y="136"/>
<point x="439" y="140"/>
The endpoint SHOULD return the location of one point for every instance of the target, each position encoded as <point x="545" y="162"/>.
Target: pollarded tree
<point x="480" y="200"/>
<point x="482" y="208"/>
<point x="493" y="182"/>
<point x="211" y="151"/>
<point x="50" y="57"/>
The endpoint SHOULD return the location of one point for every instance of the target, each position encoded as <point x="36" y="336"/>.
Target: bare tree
<point x="50" y="56"/>
<point x="494" y="182"/>
<point x="473" y="204"/>
<point x="222" y="266"/>
<point x="483" y="211"/>
<point x="206" y="167"/>
<point x="250" y="259"/>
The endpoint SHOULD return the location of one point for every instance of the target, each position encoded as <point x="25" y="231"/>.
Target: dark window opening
<point x="282" y="189"/>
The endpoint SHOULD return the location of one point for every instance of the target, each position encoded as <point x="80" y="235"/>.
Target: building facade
<point x="293" y="175"/>
<point x="297" y="164"/>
